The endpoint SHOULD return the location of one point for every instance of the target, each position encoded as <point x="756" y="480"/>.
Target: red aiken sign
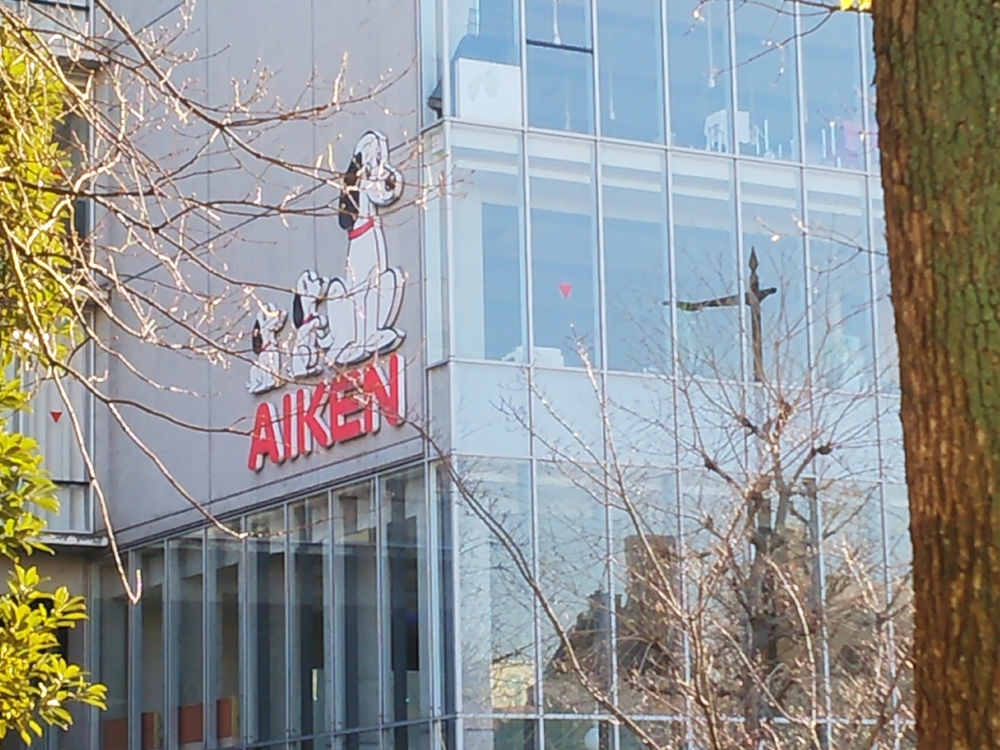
<point x="350" y="405"/>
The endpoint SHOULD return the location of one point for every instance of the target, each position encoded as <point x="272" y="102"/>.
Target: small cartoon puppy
<point x="312" y="335"/>
<point x="364" y="304"/>
<point x="263" y="374"/>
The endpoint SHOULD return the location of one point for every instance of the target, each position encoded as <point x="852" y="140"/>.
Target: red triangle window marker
<point x="56" y="415"/>
<point x="565" y="290"/>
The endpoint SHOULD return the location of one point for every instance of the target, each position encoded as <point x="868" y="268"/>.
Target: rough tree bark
<point x="938" y="81"/>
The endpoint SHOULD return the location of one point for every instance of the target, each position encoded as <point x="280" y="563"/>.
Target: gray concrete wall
<point x="294" y="41"/>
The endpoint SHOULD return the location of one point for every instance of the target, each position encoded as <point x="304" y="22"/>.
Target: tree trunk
<point x="938" y="81"/>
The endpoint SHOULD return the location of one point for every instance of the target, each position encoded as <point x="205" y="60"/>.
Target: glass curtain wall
<point x="314" y="631"/>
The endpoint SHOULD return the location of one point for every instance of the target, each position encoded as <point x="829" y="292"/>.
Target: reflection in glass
<point x="488" y="257"/>
<point x="886" y="345"/>
<point x="112" y="670"/>
<point x="767" y="124"/>
<point x="310" y="542"/>
<point x="631" y="74"/>
<point x="871" y="136"/>
<point x="495" y="604"/>
<point x="564" y="251"/>
<point x="774" y="247"/>
<point x="645" y="570"/>
<point x="560" y="65"/>
<point x="841" y="280"/>
<point x="152" y="648"/>
<point x="708" y="309"/>
<point x="187" y="652"/>
<point x="225" y="560"/>
<point x="636" y="263"/>
<point x="266" y="582"/>
<point x="500" y="734"/>
<point x="831" y="74"/>
<point x="700" y="90"/>
<point x="404" y="523"/>
<point x="356" y="605"/>
<point x="563" y="734"/>
<point x="485" y="60"/>
<point x="572" y="544"/>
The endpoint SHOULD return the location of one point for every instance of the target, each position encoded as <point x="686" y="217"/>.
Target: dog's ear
<point x="298" y="314"/>
<point x="349" y="196"/>
<point x="256" y="339"/>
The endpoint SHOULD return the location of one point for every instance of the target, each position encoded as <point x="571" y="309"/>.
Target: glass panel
<point x="446" y="669"/>
<point x="266" y="581"/>
<point x="564" y="251"/>
<point x="767" y="123"/>
<point x="631" y="60"/>
<point x="636" y="264"/>
<point x="430" y="55"/>
<point x="886" y="345"/>
<point x="112" y="633"/>
<point x="406" y="597"/>
<point x="151" y="648"/>
<point x="488" y="233"/>
<point x="700" y="88"/>
<point x="841" y="281"/>
<point x="871" y="137"/>
<point x="897" y="512"/>
<point x="572" y="544"/>
<point x="309" y="523"/>
<point x="856" y="598"/>
<point x="707" y="305"/>
<point x="500" y="734"/>
<point x="435" y="234"/>
<point x="559" y="22"/>
<point x="560" y="88"/>
<point x="485" y="59"/>
<point x="776" y="279"/>
<point x="187" y="654"/>
<point x="574" y="735"/>
<point x="356" y="590"/>
<point x="645" y="569"/>
<point x="495" y="602"/>
<point x="831" y="71"/>
<point x="225" y="564"/>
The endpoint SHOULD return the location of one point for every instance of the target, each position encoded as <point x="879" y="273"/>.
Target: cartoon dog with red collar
<point x="312" y="330"/>
<point x="362" y="306"/>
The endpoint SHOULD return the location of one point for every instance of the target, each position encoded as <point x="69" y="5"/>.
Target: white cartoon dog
<point x="312" y="335"/>
<point x="363" y="305"/>
<point x="264" y="340"/>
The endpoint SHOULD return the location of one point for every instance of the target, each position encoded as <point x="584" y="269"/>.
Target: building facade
<point x="585" y="225"/>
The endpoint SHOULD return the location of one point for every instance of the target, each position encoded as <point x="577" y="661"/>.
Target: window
<point x="700" y="90"/>
<point x="707" y="307"/>
<point x="839" y="256"/>
<point x="572" y="544"/>
<point x="636" y="264"/>
<point x="268" y="670"/>
<point x="563" y="251"/>
<point x="151" y="649"/>
<point x="631" y="69"/>
<point x="406" y="600"/>
<point x="187" y="651"/>
<point x="488" y="233"/>
<point x="495" y="603"/>
<point x="831" y="70"/>
<point x="887" y="347"/>
<point x="356" y="610"/>
<point x="310" y="597"/>
<point x="767" y="117"/>
<point x="112" y="632"/>
<point x="225" y="652"/>
<point x="560" y="65"/>
<point x="486" y="72"/>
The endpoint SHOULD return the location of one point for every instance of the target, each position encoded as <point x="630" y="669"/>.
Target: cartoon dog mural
<point x="362" y="306"/>
<point x="312" y="334"/>
<point x="264" y="340"/>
